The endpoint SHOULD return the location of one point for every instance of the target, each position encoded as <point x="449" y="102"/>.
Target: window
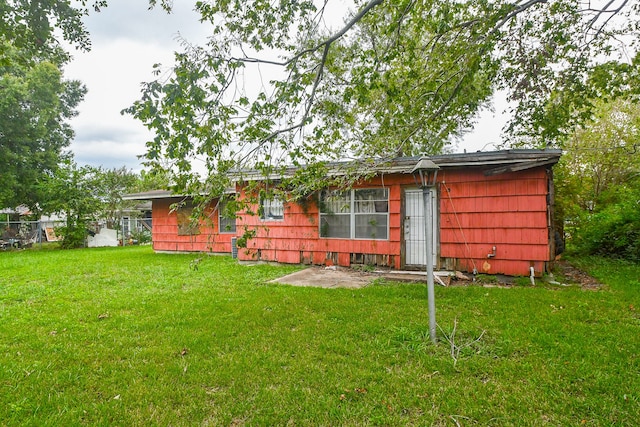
<point x="335" y="214"/>
<point x="355" y="214"/>
<point x="187" y="226"/>
<point x="271" y="209"/>
<point x="225" y="224"/>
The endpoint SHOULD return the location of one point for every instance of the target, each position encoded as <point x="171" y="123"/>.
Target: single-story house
<point x="492" y="213"/>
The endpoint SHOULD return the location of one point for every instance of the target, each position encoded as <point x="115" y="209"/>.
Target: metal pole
<point x="426" y="195"/>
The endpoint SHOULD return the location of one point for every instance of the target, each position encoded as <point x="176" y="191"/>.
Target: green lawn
<point x="127" y="337"/>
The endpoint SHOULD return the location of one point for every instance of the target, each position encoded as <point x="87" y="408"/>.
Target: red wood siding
<point x="166" y="238"/>
<point x="297" y="238"/>
<point x="508" y="211"/>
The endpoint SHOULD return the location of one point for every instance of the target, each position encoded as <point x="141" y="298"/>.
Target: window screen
<point x="225" y="224"/>
<point x="355" y="214"/>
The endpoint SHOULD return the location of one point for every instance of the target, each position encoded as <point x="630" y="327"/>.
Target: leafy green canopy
<point x="287" y="83"/>
<point x="598" y="182"/>
<point x="35" y="105"/>
<point x="72" y="191"/>
<point x="30" y="26"/>
<point x="35" y="101"/>
<point x="572" y="107"/>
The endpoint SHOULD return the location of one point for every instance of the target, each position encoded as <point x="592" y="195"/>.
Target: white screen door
<point x="414" y="239"/>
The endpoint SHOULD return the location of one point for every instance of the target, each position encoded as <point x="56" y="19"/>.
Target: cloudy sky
<point x="127" y="40"/>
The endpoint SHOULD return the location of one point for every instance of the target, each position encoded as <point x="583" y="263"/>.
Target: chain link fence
<point x="25" y="234"/>
<point x="20" y="234"/>
<point x="135" y="231"/>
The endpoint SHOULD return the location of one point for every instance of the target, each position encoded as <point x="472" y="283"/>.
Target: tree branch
<point x="326" y="45"/>
<point x="357" y="18"/>
<point x="599" y="13"/>
<point x="515" y="12"/>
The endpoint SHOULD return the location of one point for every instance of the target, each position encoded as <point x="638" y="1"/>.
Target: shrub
<point x="141" y="236"/>
<point x="73" y="235"/>
<point x="612" y="232"/>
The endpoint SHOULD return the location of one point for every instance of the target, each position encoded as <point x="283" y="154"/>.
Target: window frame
<point x="186" y="225"/>
<point x="270" y="201"/>
<point x="353" y="213"/>
<point x="221" y="218"/>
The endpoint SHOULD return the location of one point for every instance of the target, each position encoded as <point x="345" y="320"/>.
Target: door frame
<point x="435" y="224"/>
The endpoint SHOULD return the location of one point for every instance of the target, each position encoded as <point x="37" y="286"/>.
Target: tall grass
<point x="127" y="337"/>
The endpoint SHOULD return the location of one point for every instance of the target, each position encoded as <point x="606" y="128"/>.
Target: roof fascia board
<point x="516" y="167"/>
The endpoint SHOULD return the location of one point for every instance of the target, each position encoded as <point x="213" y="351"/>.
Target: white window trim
<point x="352" y="217"/>
<point x="263" y="216"/>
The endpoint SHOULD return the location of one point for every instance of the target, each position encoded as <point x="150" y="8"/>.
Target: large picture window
<point x="355" y="214"/>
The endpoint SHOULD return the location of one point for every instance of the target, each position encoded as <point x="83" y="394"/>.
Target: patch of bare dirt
<point x="569" y="274"/>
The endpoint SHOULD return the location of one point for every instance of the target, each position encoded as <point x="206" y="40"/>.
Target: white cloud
<point x="112" y="74"/>
<point x="133" y="20"/>
<point x="487" y="133"/>
<point x="127" y="41"/>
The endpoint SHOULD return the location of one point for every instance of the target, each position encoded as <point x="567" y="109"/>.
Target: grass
<point x="124" y="336"/>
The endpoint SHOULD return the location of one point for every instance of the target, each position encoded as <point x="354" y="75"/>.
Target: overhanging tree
<point x="35" y="101"/>
<point x="570" y="107"/>
<point x="274" y="85"/>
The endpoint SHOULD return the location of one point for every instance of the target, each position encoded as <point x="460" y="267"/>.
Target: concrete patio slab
<point x="328" y="278"/>
<point x="339" y="277"/>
